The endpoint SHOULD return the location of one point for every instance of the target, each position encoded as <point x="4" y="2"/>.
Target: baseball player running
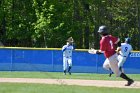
<point x="67" y="55"/>
<point x="108" y="46"/>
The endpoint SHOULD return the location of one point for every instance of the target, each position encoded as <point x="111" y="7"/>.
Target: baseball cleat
<point x="129" y="82"/>
<point x="110" y="74"/>
<point x="64" y="72"/>
<point x="69" y="73"/>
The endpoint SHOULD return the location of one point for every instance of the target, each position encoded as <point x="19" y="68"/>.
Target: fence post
<point x="96" y="63"/>
<point x="52" y="60"/>
<point x="11" y="60"/>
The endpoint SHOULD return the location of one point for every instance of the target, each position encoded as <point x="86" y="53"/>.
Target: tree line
<point x="48" y="23"/>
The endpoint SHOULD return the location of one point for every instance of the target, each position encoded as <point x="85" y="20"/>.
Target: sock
<point x="69" y="68"/>
<point x="120" y="68"/>
<point x="64" y="71"/>
<point x="110" y="71"/>
<point x="124" y="77"/>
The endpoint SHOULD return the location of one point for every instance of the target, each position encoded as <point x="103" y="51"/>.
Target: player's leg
<point x="129" y="81"/>
<point x="106" y="66"/>
<point x="64" y="65"/>
<point x="70" y="65"/>
<point x="111" y="72"/>
<point x="114" y="66"/>
<point x="120" y="63"/>
<point x="121" y="60"/>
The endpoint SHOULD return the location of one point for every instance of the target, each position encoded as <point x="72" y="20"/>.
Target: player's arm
<point x="117" y="41"/>
<point x="64" y="48"/>
<point x="99" y="52"/>
<point x="74" y="46"/>
<point x="119" y="44"/>
<point x="102" y="48"/>
<point x="93" y="51"/>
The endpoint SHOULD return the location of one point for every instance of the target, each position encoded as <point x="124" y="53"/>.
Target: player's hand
<point x="118" y="50"/>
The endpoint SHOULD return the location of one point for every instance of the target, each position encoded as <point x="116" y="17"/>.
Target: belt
<point x="123" y="56"/>
<point x="67" y="57"/>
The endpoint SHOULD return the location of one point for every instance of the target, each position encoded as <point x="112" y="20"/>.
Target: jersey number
<point x="125" y="49"/>
<point x="111" y="44"/>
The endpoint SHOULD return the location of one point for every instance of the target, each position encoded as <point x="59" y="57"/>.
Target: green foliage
<point x="48" y="23"/>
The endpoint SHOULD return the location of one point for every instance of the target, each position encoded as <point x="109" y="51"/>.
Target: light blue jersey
<point x="67" y="51"/>
<point x="125" y="49"/>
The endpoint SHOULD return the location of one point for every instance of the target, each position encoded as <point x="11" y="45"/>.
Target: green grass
<point x="58" y="75"/>
<point x="45" y="88"/>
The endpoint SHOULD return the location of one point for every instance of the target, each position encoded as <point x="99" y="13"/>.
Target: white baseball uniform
<point x="67" y="56"/>
<point x="123" y="53"/>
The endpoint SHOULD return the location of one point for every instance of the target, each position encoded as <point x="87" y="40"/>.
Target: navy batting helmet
<point x="103" y="30"/>
<point x="127" y="40"/>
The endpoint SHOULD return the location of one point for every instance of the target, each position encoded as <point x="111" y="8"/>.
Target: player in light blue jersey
<point x="67" y="55"/>
<point x="123" y="52"/>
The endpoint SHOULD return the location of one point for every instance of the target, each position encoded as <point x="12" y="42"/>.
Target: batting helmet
<point x="127" y="40"/>
<point x="103" y="30"/>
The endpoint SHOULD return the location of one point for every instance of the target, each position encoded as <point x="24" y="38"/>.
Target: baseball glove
<point x="92" y="51"/>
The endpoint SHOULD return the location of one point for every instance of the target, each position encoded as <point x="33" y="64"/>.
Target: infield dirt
<point x="97" y="83"/>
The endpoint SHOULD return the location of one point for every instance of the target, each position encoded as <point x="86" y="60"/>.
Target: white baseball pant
<point x="67" y="62"/>
<point x="112" y="63"/>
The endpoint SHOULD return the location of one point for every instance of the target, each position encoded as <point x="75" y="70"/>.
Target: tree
<point x="48" y="23"/>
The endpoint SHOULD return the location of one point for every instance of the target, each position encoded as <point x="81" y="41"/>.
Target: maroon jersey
<point x="108" y="45"/>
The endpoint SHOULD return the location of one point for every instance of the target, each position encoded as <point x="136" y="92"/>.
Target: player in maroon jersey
<point x="108" y="44"/>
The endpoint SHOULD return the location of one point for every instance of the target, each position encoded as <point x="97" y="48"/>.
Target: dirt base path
<point x="98" y="83"/>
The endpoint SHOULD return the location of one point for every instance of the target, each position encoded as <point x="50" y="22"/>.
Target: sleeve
<point x="115" y="39"/>
<point x="103" y="45"/>
<point x="74" y="46"/>
<point x="64" y="48"/>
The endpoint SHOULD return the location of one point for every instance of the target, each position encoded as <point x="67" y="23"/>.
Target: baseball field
<point x="56" y="82"/>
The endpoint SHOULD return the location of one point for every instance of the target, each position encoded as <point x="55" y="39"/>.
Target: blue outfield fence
<point x="50" y="59"/>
